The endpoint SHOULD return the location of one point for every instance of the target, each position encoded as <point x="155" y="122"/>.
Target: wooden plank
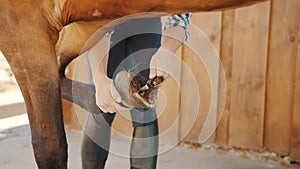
<point x="249" y="76"/>
<point x="121" y="126"/>
<point x="226" y="52"/>
<point x="281" y="73"/>
<point x="210" y="25"/>
<point x="295" y="144"/>
<point x="13" y="109"/>
<point x="168" y="107"/>
<point x="69" y="111"/>
<point x="168" y="112"/>
<point x="191" y="120"/>
<point x="212" y="29"/>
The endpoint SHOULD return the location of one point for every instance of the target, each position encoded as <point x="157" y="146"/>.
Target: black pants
<point x="132" y="53"/>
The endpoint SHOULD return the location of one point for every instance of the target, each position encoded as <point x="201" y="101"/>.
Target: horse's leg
<point x="38" y="78"/>
<point x="28" y="44"/>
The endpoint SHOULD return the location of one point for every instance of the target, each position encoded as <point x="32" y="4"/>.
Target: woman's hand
<point x="107" y="97"/>
<point x="162" y="61"/>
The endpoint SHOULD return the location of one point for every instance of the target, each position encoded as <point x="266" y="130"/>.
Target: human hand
<point x="107" y="96"/>
<point x="161" y="64"/>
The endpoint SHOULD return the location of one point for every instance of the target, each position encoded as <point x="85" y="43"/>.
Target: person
<point x="136" y="45"/>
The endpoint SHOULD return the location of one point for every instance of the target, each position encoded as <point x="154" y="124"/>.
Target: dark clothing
<point x="133" y="44"/>
<point x="134" y="53"/>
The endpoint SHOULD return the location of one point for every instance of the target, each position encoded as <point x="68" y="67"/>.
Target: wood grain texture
<point x="226" y="52"/>
<point x="210" y="25"/>
<point x="191" y="120"/>
<point x="168" y="105"/>
<point x="69" y="113"/>
<point x="249" y="76"/>
<point x="295" y="144"/>
<point x="281" y="75"/>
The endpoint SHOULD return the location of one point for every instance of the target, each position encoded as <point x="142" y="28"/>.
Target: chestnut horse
<point x="40" y="37"/>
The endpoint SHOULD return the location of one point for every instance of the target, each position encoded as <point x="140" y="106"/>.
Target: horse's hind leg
<point x="31" y="55"/>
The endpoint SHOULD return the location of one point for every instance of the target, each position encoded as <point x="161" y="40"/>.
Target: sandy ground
<point x="16" y="150"/>
<point x="16" y="153"/>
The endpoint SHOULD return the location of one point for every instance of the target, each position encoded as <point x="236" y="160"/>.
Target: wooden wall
<point x="259" y="47"/>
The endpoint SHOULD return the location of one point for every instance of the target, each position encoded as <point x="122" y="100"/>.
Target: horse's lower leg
<point x="43" y="101"/>
<point x="33" y="61"/>
<point x="47" y="129"/>
<point x="42" y="98"/>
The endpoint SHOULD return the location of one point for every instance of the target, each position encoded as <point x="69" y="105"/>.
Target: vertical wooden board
<point x="226" y="52"/>
<point x="249" y="76"/>
<point x="295" y="144"/>
<point x="281" y="67"/>
<point x="168" y="105"/>
<point x="168" y="112"/>
<point x="122" y="125"/>
<point x="67" y="106"/>
<point x="74" y="116"/>
<point x="212" y="29"/>
<point x="210" y="25"/>
<point x="191" y="122"/>
<point x="70" y="117"/>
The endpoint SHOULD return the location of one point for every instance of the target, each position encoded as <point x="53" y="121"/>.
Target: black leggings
<point x="133" y="53"/>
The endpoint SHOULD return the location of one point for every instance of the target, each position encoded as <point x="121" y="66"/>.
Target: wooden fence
<point x="258" y="49"/>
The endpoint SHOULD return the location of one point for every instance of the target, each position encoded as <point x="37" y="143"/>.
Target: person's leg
<point x="96" y="140"/>
<point x="139" y="50"/>
<point x="96" y="136"/>
<point x="144" y="144"/>
<point x="95" y="155"/>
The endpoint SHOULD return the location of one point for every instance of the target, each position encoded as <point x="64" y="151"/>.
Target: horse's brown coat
<point x="29" y="32"/>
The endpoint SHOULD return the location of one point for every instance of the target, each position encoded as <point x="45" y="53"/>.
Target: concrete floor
<point x="16" y="153"/>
